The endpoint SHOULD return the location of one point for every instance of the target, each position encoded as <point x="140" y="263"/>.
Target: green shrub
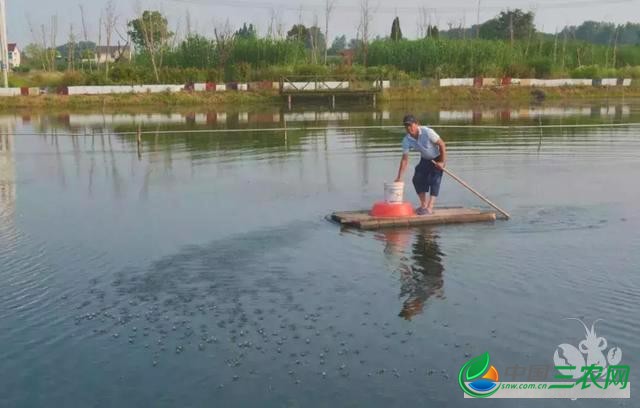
<point x="242" y="72"/>
<point x="73" y="78"/>
<point x="96" y="78"/>
<point x="349" y="72"/>
<point x="541" y="66"/>
<point x="630" y="72"/>
<point x="126" y="74"/>
<point x="212" y="75"/>
<point x="586" y="71"/>
<point x="519" y="70"/>
<point x="386" y="72"/>
<point x="272" y="73"/>
<point x="310" y="69"/>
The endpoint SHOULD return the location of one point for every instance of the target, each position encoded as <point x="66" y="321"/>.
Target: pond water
<point x="200" y="269"/>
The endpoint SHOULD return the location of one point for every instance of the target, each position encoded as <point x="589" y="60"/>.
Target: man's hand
<point x="440" y="165"/>
<point x="403" y="165"/>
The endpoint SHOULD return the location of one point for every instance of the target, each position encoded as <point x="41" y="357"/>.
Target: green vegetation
<point x="155" y="100"/>
<point x="604" y="33"/>
<point x="407" y="92"/>
<point x="507" y="45"/>
<point x="396" y="31"/>
<point x="510" y="25"/>
<point x="535" y="58"/>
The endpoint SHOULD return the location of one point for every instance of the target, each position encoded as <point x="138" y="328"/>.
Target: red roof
<point x="12" y="47"/>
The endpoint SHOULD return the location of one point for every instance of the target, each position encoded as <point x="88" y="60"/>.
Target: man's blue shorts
<point x="427" y="178"/>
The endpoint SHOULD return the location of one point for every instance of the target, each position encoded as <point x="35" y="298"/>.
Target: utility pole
<point x="3" y="44"/>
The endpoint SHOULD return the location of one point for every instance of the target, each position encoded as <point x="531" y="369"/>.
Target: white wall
<point x="10" y="91"/>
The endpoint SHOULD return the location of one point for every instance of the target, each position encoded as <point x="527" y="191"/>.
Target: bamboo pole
<point x="468" y="187"/>
<point x="139" y="140"/>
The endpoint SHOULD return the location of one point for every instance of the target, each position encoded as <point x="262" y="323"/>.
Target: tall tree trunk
<point x="327" y="10"/>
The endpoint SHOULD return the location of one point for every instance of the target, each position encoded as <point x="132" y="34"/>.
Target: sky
<point x="26" y="17"/>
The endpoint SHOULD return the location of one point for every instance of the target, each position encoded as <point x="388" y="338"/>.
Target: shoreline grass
<point x="442" y="97"/>
<point x="453" y="96"/>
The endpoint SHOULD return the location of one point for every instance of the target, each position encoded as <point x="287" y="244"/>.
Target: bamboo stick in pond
<point x="285" y="129"/>
<point x="139" y="142"/>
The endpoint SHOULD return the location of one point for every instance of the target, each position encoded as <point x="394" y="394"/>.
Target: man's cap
<point x="409" y="119"/>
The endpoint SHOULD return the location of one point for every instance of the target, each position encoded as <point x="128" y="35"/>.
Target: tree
<point x="315" y="42"/>
<point x="150" y="32"/>
<point x="298" y="33"/>
<point x="109" y="22"/>
<point x="71" y="46"/>
<point x="247" y="32"/>
<point x="35" y="55"/>
<point x="339" y="44"/>
<point x="354" y="44"/>
<point x="508" y="25"/>
<point x="312" y="37"/>
<point x="50" y="46"/>
<point x="151" y="26"/>
<point x="225" y="42"/>
<point x="603" y="33"/>
<point x="396" y="32"/>
<point x="366" y="15"/>
<point x="327" y="13"/>
<point x="432" y="31"/>
<point x="77" y="49"/>
<point x="85" y="36"/>
<point x="276" y="26"/>
<point x="196" y="51"/>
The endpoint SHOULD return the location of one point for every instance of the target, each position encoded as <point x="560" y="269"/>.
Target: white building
<point x="112" y="53"/>
<point x="14" y="56"/>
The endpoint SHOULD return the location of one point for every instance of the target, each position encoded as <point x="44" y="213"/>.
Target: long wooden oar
<point x="468" y="187"/>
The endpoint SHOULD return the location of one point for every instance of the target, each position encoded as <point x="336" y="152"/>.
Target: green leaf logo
<point x="477" y="366"/>
<point x="478" y="373"/>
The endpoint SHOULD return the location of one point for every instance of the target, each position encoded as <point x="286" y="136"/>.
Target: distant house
<point x="112" y="53"/>
<point x="14" y="55"/>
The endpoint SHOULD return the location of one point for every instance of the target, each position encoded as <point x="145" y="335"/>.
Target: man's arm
<point x="403" y="165"/>
<point x="443" y="154"/>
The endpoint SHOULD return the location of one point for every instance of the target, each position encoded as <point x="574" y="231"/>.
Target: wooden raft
<point x="451" y="215"/>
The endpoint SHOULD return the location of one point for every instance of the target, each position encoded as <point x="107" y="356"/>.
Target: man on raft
<point x="428" y="173"/>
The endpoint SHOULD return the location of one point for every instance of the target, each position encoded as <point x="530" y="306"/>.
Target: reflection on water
<point x="534" y="112"/>
<point x="88" y="123"/>
<point x="424" y="279"/>
<point x="205" y="268"/>
<point x="417" y="259"/>
<point x="7" y="175"/>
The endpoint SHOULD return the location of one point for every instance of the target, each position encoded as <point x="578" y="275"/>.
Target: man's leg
<point x="434" y="188"/>
<point x="420" y="183"/>
<point x="431" y="203"/>
<point x="423" y="200"/>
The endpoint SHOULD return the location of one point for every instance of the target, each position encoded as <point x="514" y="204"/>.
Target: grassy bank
<point x="158" y="100"/>
<point x="455" y="96"/>
<point x="442" y="97"/>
